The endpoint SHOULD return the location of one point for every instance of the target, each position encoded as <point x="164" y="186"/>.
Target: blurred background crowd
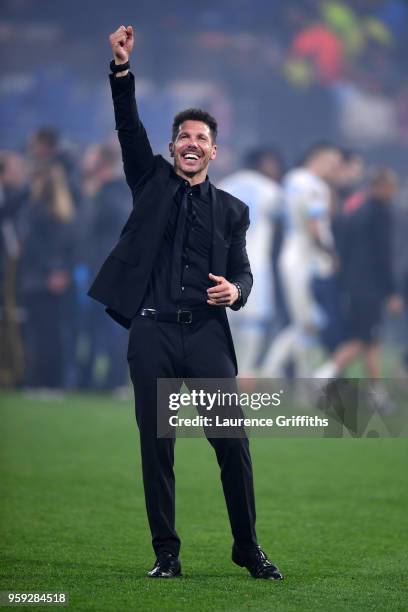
<point x="311" y="97"/>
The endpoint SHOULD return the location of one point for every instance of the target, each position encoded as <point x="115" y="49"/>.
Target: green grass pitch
<point x="332" y="513"/>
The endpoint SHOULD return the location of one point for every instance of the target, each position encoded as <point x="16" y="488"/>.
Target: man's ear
<point x="171" y="149"/>
<point x="214" y="152"/>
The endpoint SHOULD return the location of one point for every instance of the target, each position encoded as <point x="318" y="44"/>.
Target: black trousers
<point x="197" y="350"/>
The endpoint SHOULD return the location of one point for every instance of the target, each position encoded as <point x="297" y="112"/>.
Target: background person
<point x="367" y="277"/>
<point x="258" y="184"/>
<point x="327" y="288"/>
<point x="307" y="254"/>
<point x="13" y="198"/>
<point x="107" y="208"/>
<point x="46" y="274"/>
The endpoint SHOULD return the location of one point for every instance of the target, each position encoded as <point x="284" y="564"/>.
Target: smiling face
<point x="193" y="149"/>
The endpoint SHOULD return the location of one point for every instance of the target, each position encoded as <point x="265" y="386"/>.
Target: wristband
<point x="238" y="286"/>
<point x="119" y="67"/>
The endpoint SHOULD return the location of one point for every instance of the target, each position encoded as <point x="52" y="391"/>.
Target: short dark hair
<point x="349" y="154"/>
<point x="48" y="135"/>
<point x="194" y="114"/>
<point x="254" y="158"/>
<point x="317" y="148"/>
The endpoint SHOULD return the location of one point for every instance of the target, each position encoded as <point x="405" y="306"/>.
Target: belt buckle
<point x="184" y="316"/>
<point x="152" y="312"/>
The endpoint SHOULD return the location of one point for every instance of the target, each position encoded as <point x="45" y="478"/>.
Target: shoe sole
<point x="164" y="577"/>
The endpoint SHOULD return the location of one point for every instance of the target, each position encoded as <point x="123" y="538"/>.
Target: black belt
<point x="179" y="316"/>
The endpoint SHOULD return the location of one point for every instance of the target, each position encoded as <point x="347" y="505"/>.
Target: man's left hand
<point x="223" y="293"/>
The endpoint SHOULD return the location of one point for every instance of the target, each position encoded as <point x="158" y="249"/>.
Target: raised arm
<point x="137" y="153"/>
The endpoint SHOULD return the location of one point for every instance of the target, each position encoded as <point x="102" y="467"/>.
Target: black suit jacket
<point x="123" y="278"/>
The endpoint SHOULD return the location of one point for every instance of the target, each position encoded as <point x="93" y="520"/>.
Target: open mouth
<point x="190" y="156"/>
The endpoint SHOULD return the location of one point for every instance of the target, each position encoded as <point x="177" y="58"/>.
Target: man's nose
<point x="192" y="141"/>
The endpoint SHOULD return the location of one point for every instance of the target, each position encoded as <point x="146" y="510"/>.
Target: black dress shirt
<point x="180" y="273"/>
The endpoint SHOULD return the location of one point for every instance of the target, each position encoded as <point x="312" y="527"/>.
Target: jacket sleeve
<point x="238" y="266"/>
<point x="137" y="155"/>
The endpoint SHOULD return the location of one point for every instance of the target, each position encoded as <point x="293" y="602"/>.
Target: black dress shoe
<point x="166" y="566"/>
<point x="257" y="563"/>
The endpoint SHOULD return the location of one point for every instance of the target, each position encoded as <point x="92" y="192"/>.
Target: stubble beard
<point x="193" y="173"/>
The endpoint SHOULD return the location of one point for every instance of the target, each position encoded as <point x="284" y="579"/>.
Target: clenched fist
<point x="122" y="42"/>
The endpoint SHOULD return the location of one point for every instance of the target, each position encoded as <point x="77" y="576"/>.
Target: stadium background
<point x="332" y="512"/>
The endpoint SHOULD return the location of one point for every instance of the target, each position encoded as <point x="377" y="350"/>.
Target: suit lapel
<point x="170" y="189"/>
<point x="218" y="249"/>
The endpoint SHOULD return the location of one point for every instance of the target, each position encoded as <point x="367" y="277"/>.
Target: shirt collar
<point x="201" y="189"/>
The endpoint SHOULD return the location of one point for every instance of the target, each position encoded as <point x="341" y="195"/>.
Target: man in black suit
<point x="166" y="280"/>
